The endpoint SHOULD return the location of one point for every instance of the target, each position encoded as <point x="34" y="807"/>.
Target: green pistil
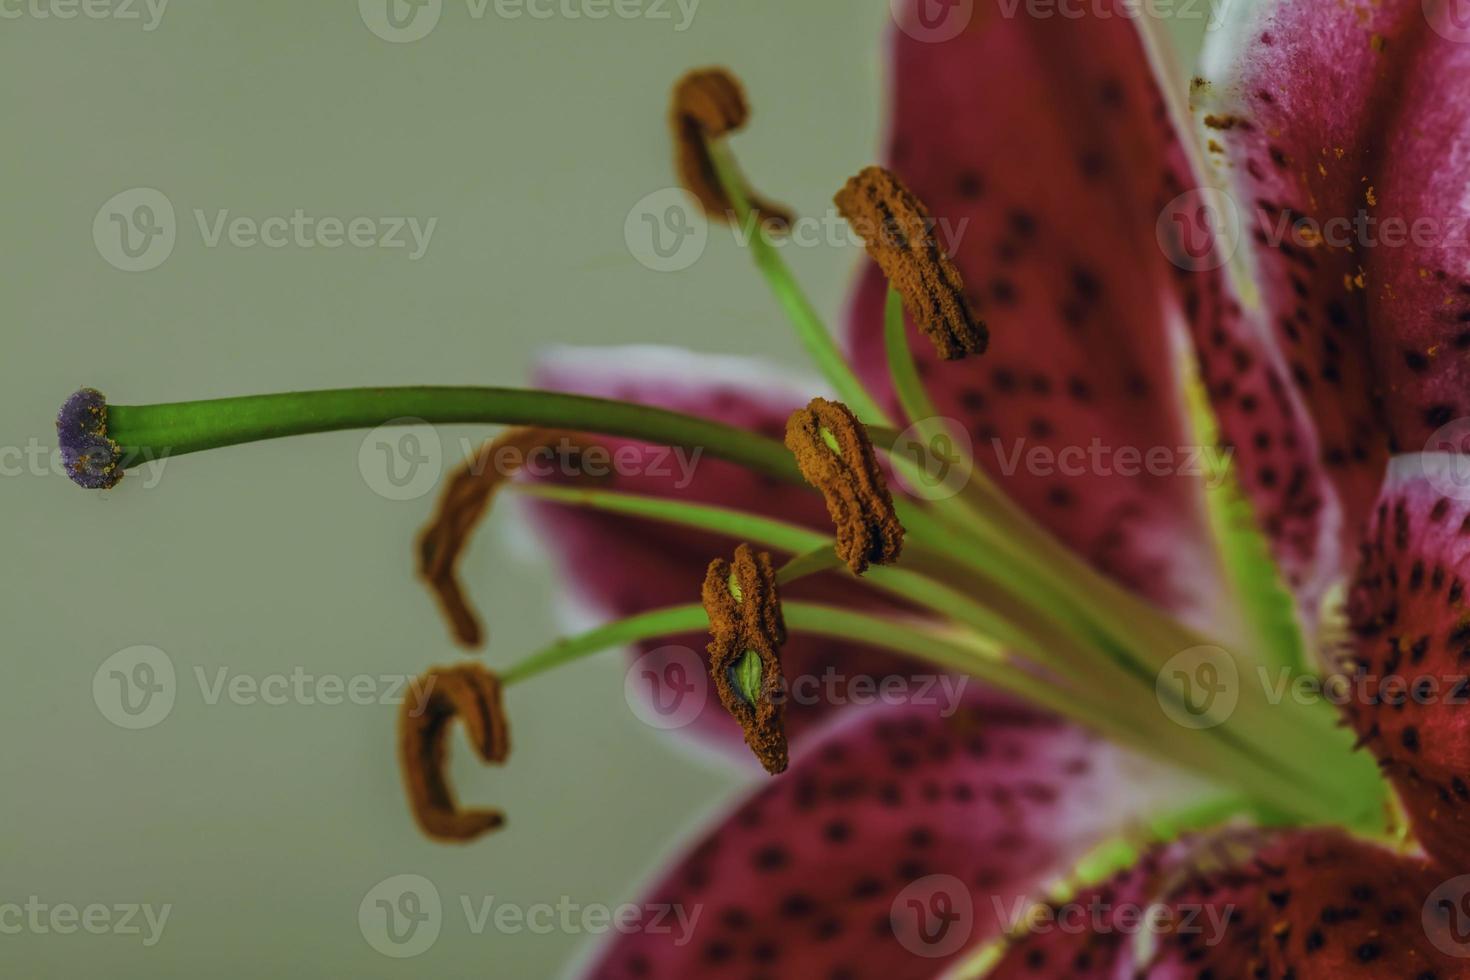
<point x="810" y="328"/>
<point x="830" y="440"/>
<point x="1103" y="692"/>
<point x="736" y="591"/>
<point x="155" y="431"/>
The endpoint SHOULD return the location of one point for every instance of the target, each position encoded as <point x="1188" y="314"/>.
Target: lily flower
<point x="1151" y="775"/>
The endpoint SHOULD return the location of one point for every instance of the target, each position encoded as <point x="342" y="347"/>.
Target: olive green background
<point x="530" y="141"/>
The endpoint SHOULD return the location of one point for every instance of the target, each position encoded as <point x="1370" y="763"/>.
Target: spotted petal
<point x="1329" y="127"/>
<point x="1410" y="697"/>
<point x="1305" y="905"/>
<point x="900" y="840"/>
<point x="1045" y="151"/>
<point x="618" y="566"/>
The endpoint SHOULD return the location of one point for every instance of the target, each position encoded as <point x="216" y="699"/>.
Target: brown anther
<point x="470" y="693"/>
<point x="899" y="233"/>
<point x="708" y="104"/>
<point x="858" y="500"/>
<point x="750" y="623"/>
<point x="466" y="498"/>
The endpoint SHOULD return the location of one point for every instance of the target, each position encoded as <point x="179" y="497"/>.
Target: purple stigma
<point x="90" y="458"/>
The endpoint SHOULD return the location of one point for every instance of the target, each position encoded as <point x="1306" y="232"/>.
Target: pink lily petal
<point x="1410" y="695"/>
<point x="1320" y="117"/>
<point x="1096" y="934"/>
<point x="1045" y="152"/>
<point x="1307" y="905"/>
<point x="619" y="566"/>
<point x="897" y="842"/>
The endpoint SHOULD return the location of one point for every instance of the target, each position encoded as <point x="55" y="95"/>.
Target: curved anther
<point x="708" y="104"/>
<point x="470" y="693"/>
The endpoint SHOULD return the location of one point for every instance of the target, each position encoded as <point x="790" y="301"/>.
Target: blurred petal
<point x="1304" y="905"/>
<point x="618" y="566"/>
<point x="1045" y="151"/>
<point x="1329" y="126"/>
<point x="1411" y="699"/>
<point x="898" y="841"/>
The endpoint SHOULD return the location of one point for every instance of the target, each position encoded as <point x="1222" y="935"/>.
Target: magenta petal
<point x="1319" y="905"/>
<point x="1305" y="905"/>
<point x="896" y="820"/>
<point x="1411" y="704"/>
<point x="619" y="566"/>
<point x="1095" y="935"/>
<point x="1329" y="125"/>
<point x="1044" y="151"/>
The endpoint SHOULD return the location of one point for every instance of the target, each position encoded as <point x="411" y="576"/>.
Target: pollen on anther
<point x="708" y="104"/>
<point x="900" y="235"/>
